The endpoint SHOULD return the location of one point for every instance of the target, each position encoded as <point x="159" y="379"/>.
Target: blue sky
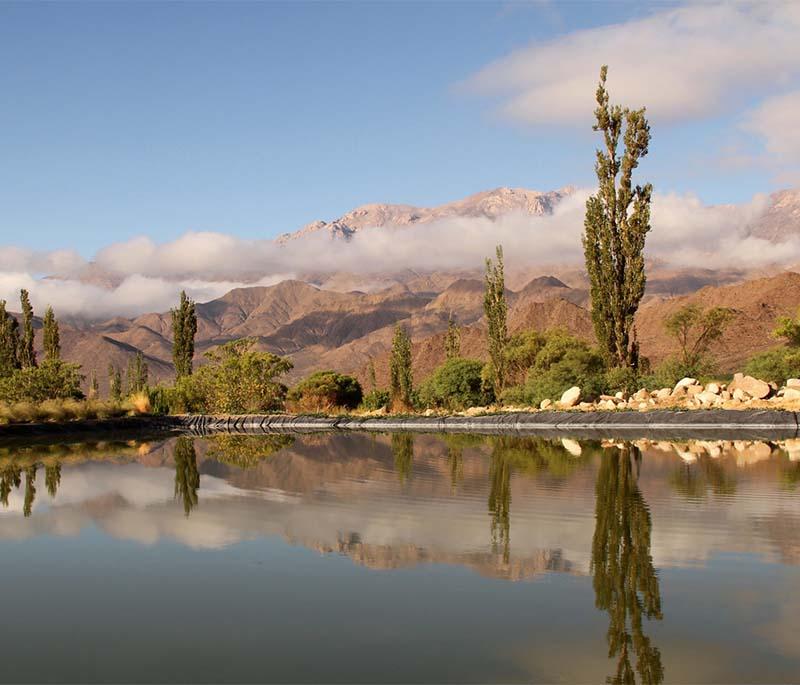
<point x="126" y="119"/>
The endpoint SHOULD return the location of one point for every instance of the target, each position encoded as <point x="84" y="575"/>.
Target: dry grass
<point x="62" y="410"/>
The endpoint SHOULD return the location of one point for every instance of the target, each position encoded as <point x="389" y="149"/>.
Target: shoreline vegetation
<point x="528" y="372"/>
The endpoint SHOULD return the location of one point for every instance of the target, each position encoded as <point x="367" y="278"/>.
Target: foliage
<point x="374" y="400"/>
<point x="671" y="370"/>
<point x="159" y="399"/>
<point x="456" y="384"/>
<point x="137" y="376"/>
<point x="51" y="380"/>
<point x="187" y="477"/>
<point x="60" y="410"/>
<point x="624" y="378"/>
<point x="790" y="329"/>
<point x="616" y="224"/>
<point x="51" y="336"/>
<point x="94" y="386"/>
<point x="238" y="380"/>
<point x="27" y="355"/>
<point x="184" y="329"/>
<point x="326" y="390"/>
<point x="372" y="381"/>
<point x="561" y="362"/>
<point x="452" y="340"/>
<point x="114" y="383"/>
<point x="495" y="309"/>
<point x="776" y="364"/>
<point x="520" y="354"/>
<point x="403" y="452"/>
<point x="401" y="379"/>
<point x="695" y="330"/>
<point x="9" y="341"/>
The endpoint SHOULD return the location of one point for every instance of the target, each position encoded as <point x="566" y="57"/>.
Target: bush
<point x="456" y="384"/>
<point x="622" y="378"/>
<point x="775" y="365"/>
<point x="54" y="379"/>
<point x="60" y="410"/>
<point x="377" y="399"/>
<point x="236" y="380"/>
<point x="326" y="390"/>
<point x="561" y="362"/>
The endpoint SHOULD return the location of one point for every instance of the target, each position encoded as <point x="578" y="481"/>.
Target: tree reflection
<point x="500" y="503"/>
<point x="30" y="490"/>
<point x="187" y="478"/>
<point x="403" y="451"/>
<point x="9" y="480"/>
<point x="52" y="478"/>
<point x="625" y="581"/>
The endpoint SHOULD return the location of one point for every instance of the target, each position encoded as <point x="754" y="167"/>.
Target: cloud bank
<point x="146" y="276"/>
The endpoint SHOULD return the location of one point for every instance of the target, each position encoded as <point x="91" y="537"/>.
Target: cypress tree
<point x="401" y="375"/>
<point x="452" y="340"/>
<point x="138" y="374"/>
<point x="51" y="336"/>
<point x="495" y="308"/>
<point x="9" y="342"/>
<point x="616" y="224"/>
<point x="94" y="386"/>
<point x="114" y="383"/>
<point x="184" y="329"/>
<point x="371" y="378"/>
<point x="27" y="354"/>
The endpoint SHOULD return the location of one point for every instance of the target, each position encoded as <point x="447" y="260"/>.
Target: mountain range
<point x="326" y="320"/>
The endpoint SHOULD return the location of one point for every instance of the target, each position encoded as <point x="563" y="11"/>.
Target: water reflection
<point x="625" y="581"/>
<point x="187" y="477"/>
<point x="403" y="451"/>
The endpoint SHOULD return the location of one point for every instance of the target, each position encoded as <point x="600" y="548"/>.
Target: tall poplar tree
<point x="138" y="374"/>
<point x="27" y="354"/>
<point x="617" y="221"/>
<point x="184" y="329"/>
<point x="452" y="340"/>
<point x="114" y="383"/>
<point x="9" y="342"/>
<point x="495" y="307"/>
<point x="51" y="336"/>
<point x="401" y="376"/>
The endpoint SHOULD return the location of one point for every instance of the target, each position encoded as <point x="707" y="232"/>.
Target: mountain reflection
<point x="625" y="581"/>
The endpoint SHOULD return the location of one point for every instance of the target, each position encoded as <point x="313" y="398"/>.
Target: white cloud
<point x="149" y="276"/>
<point x="775" y="121"/>
<point x="683" y="64"/>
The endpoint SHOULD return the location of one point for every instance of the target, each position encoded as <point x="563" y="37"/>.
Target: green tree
<point x="625" y="581"/>
<point x="789" y="329"/>
<point x="239" y="380"/>
<point x="27" y="354"/>
<point x="401" y="375"/>
<point x="616" y="224"/>
<point x="326" y="390"/>
<point x="452" y="340"/>
<point x="371" y="378"/>
<point x="137" y="375"/>
<point x="51" y="336"/>
<point x="184" y="329"/>
<point x="114" y="383"/>
<point x="456" y="384"/>
<point x="495" y="307"/>
<point x="51" y="380"/>
<point x="695" y="330"/>
<point x="9" y="342"/>
<point x="187" y="477"/>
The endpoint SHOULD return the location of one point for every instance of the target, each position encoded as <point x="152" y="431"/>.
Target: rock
<point x="476" y="411"/>
<point x="708" y="399"/>
<point x="663" y="394"/>
<point x="713" y="388"/>
<point x="572" y="446"/>
<point x="791" y="394"/>
<point x="586" y="406"/>
<point x="752" y="386"/>
<point x="740" y="395"/>
<point x="641" y="394"/>
<point x="570" y="397"/>
<point x="793" y="382"/>
<point x="545" y="404"/>
<point x="694" y="389"/>
<point x="679" y="392"/>
<point x="684" y="382"/>
<point x="620" y="395"/>
<point x="607" y="404"/>
<point x="792" y="447"/>
<point x="725" y="395"/>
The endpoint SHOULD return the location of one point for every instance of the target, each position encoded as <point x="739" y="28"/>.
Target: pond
<point x="400" y="558"/>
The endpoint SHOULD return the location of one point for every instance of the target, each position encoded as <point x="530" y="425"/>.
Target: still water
<point x="400" y="558"/>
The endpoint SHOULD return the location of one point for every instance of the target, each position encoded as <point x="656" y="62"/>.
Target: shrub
<point x="624" y="378"/>
<point x="238" y="380"/>
<point x="54" y="379"/>
<point x="456" y="384"/>
<point x="775" y="365"/>
<point x="326" y="390"/>
<point x="377" y="399"/>
<point x="561" y="362"/>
